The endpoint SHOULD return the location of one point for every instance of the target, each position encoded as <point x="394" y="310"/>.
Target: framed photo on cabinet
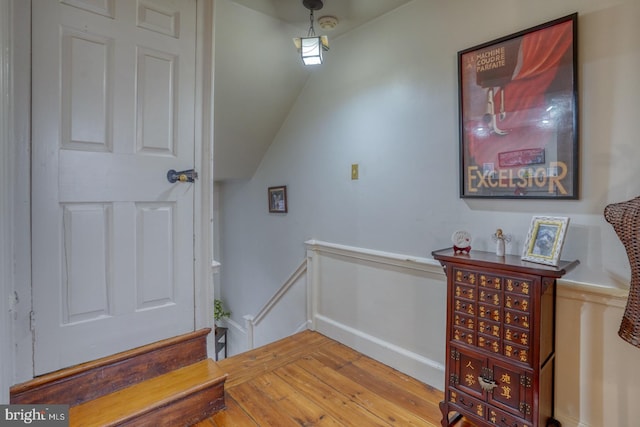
<point x="545" y="239"/>
<point x="278" y="199"/>
<point x="518" y="114"/>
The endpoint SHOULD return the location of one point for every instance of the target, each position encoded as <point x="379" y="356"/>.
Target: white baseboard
<point x="236" y="337"/>
<point x="238" y="340"/>
<point x="426" y="370"/>
<point x="569" y="421"/>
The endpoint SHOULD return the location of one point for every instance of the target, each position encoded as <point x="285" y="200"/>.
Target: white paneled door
<point x="113" y="111"/>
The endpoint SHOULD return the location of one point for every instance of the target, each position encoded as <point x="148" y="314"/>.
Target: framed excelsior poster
<point x="518" y="114"/>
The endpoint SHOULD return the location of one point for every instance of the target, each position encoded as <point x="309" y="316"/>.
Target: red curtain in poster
<point x="526" y="121"/>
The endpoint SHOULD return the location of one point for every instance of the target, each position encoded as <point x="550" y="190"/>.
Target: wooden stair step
<point x="91" y="380"/>
<point x="178" y="398"/>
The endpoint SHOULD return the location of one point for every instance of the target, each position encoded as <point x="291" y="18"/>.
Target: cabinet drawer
<point x="516" y="352"/>
<point x="489" y="343"/>
<point x="466" y="292"/>
<point x="464" y="321"/>
<point x="465" y="276"/>
<point x="517" y="336"/>
<point x="490" y="297"/>
<point x="489" y="312"/>
<point x="516" y="319"/>
<point x="464" y="306"/>
<point x="490" y="328"/>
<point x="503" y="419"/>
<point x="464" y="335"/>
<point x="468" y="403"/>
<point x="489" y="281"/>
<point x="517" y="302"/>
<point x="519" y="286"/>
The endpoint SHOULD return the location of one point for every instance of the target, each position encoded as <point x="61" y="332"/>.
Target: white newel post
<point x="248" y="324"/>
<point x="312" y="285"/>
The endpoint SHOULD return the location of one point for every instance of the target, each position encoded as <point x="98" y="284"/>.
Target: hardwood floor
<point x="311" y="380"/>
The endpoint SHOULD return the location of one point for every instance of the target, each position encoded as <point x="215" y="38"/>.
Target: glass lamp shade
<point x="311" y="50"/>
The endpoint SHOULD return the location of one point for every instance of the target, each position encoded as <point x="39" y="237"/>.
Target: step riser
<point x="94" y="379"/>
<point x="185" y="412"/>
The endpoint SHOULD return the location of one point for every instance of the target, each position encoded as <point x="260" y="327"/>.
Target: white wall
<point x="597" y="384"/>
<point x="386" y="98"/>
<point x="257" y="82"/>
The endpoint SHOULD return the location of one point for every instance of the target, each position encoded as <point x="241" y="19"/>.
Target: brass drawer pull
<point x="487" y="385"/>
<point x="470" y="405"/>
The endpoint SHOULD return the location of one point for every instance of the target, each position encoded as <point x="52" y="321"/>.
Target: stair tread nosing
<point x="146" y="396"/>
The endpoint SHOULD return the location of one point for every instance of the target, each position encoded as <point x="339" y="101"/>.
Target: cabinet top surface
<point x="508" y="262"/>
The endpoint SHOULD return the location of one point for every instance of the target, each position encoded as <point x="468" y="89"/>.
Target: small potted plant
<point x="219" y="311"/>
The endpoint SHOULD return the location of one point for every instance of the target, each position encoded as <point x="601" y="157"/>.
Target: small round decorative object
<point x="461" y="241"/>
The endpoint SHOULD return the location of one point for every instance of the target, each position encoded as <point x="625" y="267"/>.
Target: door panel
<point x="154" y="256"/>
<point x="113" y="111"/>
<point x="86" y="283"/>
<point x="86" y="85"/>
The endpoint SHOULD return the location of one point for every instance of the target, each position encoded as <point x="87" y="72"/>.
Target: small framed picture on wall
<point x="278" y="199"/>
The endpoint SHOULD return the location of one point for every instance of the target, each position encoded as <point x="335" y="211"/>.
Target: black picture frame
<point x="278" y="199"/>
<point x="518" y="114"/>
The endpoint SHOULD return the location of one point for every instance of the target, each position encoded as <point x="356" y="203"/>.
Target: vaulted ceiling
<point x="258" y="73"/>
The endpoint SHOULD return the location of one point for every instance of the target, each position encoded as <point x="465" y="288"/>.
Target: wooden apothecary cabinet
<point x="500" y="355"/>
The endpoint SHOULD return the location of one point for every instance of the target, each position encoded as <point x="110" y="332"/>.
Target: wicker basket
<point x="625" y="218"/>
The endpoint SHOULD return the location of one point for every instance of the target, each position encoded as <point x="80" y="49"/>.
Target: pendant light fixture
<point x="312" y="46"/>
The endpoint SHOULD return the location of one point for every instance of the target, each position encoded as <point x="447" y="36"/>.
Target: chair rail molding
<point x="405" y="261"/>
